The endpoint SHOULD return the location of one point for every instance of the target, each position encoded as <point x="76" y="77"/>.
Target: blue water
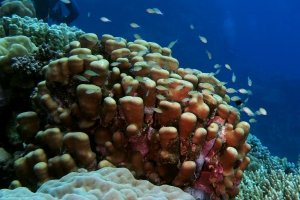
<point x="259" y="39"/>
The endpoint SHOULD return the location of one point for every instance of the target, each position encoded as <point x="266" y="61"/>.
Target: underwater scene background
<point x="136" y="97"/>
<point x="259" y="39"/>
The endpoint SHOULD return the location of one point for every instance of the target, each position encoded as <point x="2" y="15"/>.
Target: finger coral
<point x="129" y="104"/>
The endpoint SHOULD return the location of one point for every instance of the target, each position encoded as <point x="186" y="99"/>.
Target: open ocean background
<point x="259" y="39"/>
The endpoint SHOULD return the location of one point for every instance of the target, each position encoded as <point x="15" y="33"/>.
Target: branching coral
<point x="268" y="177"/>
<point x="262" y="184"/>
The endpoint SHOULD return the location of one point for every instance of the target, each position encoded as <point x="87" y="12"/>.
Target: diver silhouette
<point x="229" y="52"/>
<point x="45" y="10"/>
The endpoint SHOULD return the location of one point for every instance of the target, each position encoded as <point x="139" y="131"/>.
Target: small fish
<point x="248" y="111"/>
<point x="104" y="19"/>
<point x="249" y="92"/>
<point x="203" y="39"/>
<point x="243" y="91"/>
<point x="249" y="81"/>
<point x="137" y="36"/>
<point x="239" y="103"/>
<point x="91" y="73"/>
<point x="158" y="110"/>
<point x="221" y="83"/>
<point x="192" y="26"/>
<point x="147" y="93"/>
<point x="206" y="85"/>
<point x="217" y="66"/>
<point x="168" y="80"/>
<point x="228" y="66"/>
<point x="235" y="98"/>
<point x="179" y="87"/>
<point x="89" y="14"/>
<point x="134" y="25"/>
<point x="160" y="87"/>
<point x="91" y="90"/>
<point x="118" y="39"/>
<point x="211" y="74"/>
<point x="89" y="38"/>
<point x="114" y="64"/>
<point x="129" y="89"/>
<point x="209" y="55"/>
<point x="137" y="68"/>
<point x="160" y="97"/>
<point x="157" y="11"/>
<point x="233" y="109"/>
<point x="153" y="64"/>
<point x="262" y="111"/>
<point x="230" y="90"/>
<point x="157" y="67"/>
<point x="193" y="92"/>
<point x="83" y="56"/>
<point x="172" y="44"/>
<point x="252" y="120"/>
<point x="66" y="1"/>
<point x="218" y="71"/>
<point x="150" y="10"/>
<point x="217" y="97"/>
<point x="142" y="52"/>
<point x="81" y="78"/>
<point x="246" y="100"/>
<point x="186" y="100"/>
<point x="139" y="78"/>
<point x="233" y="77"/>
<point x="206" y="91"/>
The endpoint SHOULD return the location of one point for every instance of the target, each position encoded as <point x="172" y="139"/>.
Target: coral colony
<point x="111" y="103"/>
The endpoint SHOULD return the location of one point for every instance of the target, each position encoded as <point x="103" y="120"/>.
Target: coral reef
<point x="55" y="36"/>
<point x="106" y="183"/>
<point x="269" y="185"/>
<point x="261" y="157"/>
<point x="110" y="102"/>
<point x="268" y="177"/>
